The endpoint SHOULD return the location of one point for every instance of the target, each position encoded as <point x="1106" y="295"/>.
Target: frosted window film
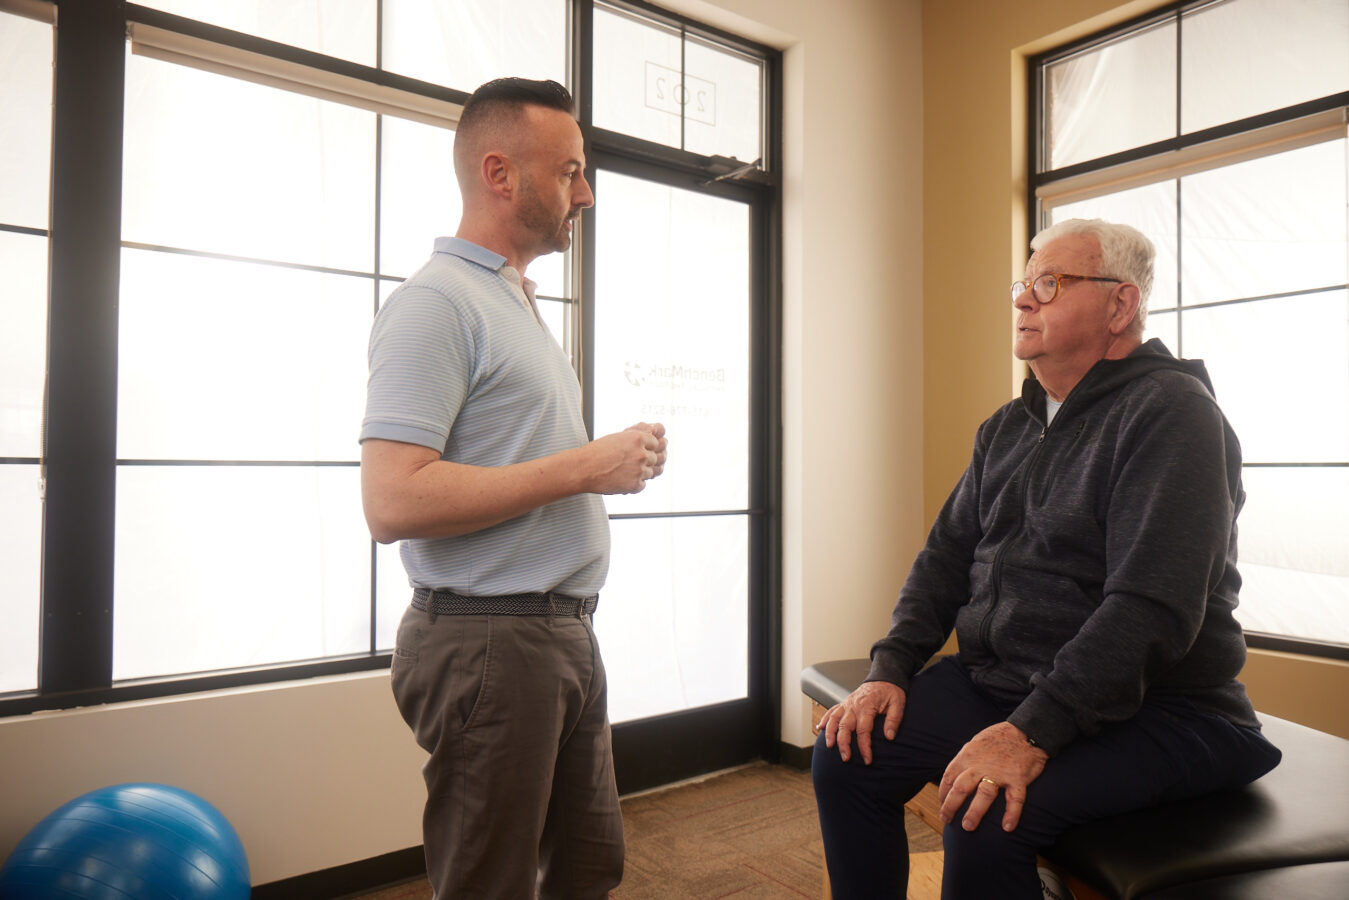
<point x="1246" y="57"/>
<point x="225" y="566"/>
<point x="20" y="568"/>
<point x="637" y="78"/>
<point x="225" y="360"/>
<point x="419" y="197"/>
<point x="721" y="97"/>
<point x="672" y="337"/>
<point x="25" y="190"/>
<point x="25" y="121"/>
<point x="225" y="166"/>
<point x="1111" y="98"/>
<point x="1294" y="559"/>
<point x="1280" y="370"/>
<point x="467" y="42"/>
<point x="1271" y="225"/>
<point x="653" y="83"/>
<point x="673" y="620"/>
<point x="341" y="28"/>
<point x="394" y="594"/>
<point x="23" y="342"/>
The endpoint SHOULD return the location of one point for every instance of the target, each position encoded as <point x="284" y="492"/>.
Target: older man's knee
<point x="989" y="843"/>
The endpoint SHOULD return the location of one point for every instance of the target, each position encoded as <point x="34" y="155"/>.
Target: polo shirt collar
<point x="489" y="259"/>
<point x="471" y="252"/>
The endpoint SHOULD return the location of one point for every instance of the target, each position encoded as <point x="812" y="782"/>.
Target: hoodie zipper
<point x="985" y="624"/>
<point x="1089" y="384"/>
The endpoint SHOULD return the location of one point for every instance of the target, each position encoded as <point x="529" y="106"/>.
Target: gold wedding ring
<point x="987" y="780"/>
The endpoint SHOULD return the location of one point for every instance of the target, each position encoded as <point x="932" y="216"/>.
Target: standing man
<point x="1087" y="562"/>
<point x="474" y="455"/>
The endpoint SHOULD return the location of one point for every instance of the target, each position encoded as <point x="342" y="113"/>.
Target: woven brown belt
<point x="447" y="603"/>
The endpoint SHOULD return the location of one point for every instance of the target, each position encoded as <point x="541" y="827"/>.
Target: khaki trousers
<point x="521" y="799"/>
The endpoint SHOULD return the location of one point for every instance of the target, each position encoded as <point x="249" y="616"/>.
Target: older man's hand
<point x="856" y="715"/>
<point x="999" y="758"/>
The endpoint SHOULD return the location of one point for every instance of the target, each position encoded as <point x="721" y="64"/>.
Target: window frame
<point x="80" y="454"/>
<point x="1182" y="154"/>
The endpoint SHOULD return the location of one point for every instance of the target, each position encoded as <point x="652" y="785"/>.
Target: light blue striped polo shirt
<point x="461" y="363"/>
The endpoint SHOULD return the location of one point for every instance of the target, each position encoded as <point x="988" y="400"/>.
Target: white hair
<point x="1126" y="254"/>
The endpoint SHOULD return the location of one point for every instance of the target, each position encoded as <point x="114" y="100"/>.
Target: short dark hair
<point x="493" y="110"/>
<point x="512" y="94"/>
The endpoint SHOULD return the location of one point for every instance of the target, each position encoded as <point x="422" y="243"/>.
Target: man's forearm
<point x="408" y="491"/>
<point x="435" y="498"/>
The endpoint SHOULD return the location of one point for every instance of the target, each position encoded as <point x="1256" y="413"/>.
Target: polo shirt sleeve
<point x="421" y="367"/>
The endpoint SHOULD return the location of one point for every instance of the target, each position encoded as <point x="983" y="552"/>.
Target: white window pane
<point x="341" y="28"/>
<point x="23" y="342"/>
<point x="653" y="84"/>
<point x="549" y="274"/>
<point x="1245" y="57"/>
<point x="419" y="197"/>
<point x="468" y="42"/>
<point x="554" y="314"/>
<point x="393" y="594"/>
<point x="672" y="337"/>
<point x="223" y="360"/>
<point x="1294" y="560"/>
<point x="20" y="568"/>
<point x="226" y="166"/>
<point x="1112" y="98"/>
<point x="673" y="620"/>
<point x="1281" y="370"/>
<point x="637" y="78"/>
<point x="226" y="566"/>
<point x="1267" y="226"/>
<point x="721" y="102"/>
<point x="1164" y="325"/>
<point x="25" y="121"/>
<point x="1152" y="210"/>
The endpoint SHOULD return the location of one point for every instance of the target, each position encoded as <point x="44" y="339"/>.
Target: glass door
<point x="672" y="315"/>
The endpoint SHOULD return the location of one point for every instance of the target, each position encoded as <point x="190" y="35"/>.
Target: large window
<point x="673" y="350"/>
<point x="25" y="150"/>
<point x="1219" y="130"/>
<point x="274" y="170"/>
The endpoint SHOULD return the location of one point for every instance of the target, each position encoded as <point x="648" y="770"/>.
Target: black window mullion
<point x="1180" y="271"/>
<point x="583" y="67"/>
<point x="379" y="270"/>
<point x="765" y="539"/>
<point x="80" y="433"/>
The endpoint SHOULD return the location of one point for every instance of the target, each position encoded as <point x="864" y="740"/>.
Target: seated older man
<point x="1087" y="562"/>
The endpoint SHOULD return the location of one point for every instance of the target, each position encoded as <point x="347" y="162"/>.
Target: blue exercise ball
<point x="141" y="841"/>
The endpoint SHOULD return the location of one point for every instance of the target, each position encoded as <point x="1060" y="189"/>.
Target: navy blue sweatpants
<point x="1166" y="752"/>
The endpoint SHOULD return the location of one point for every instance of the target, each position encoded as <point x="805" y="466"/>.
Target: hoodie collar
<point x="1110" y="374"/>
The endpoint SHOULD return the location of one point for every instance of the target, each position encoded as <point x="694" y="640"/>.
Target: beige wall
<point x="312" y="774"/>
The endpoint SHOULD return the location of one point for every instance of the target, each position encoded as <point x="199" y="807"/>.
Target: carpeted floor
<point x="748" y="833"/>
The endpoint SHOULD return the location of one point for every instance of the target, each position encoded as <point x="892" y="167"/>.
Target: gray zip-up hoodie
<point x="1089" y="566"/>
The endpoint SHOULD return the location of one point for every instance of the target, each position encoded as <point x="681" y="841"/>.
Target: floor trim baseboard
<point x="796" y="757"/>
<point x="357" y="878"/>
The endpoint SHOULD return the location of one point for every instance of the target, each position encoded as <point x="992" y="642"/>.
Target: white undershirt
<point x="1051" y="408"/>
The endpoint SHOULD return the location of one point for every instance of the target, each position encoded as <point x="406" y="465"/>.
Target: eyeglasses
<point x="1046" y="287"/>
